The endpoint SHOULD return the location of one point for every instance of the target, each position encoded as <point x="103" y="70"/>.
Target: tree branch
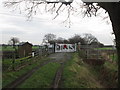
<point x="57" y="11"/>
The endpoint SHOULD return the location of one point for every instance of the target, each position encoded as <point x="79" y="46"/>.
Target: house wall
<point x="24" y="50"/>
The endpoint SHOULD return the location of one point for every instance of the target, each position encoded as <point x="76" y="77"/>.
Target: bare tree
<point x="60" y="40"/>
<point x="65" y="41"/>
<point x="13" y="41"/>
<point x="50" y="38"/>
<point x="113" y="9"/>
<point x="77" y="38"/>
<point x="89" y="38"/>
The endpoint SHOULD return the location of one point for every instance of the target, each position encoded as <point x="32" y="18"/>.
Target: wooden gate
<point x="65" y="47"/>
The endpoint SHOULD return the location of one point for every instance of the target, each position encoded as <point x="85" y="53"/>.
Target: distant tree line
<point x="86" y="39"/>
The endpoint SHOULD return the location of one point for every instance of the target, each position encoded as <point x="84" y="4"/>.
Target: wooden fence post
<point x="13" y="62"/>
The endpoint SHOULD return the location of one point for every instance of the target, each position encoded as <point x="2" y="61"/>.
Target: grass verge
<point x="114" y="57"/>
<point x="42" y="78"/>
<point x="77" y="74"/>
<point x="8" y="77"/>
<point x="110" y="74"/>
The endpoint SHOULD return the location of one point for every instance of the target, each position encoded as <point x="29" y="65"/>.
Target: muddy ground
<point x="56" y="57"/>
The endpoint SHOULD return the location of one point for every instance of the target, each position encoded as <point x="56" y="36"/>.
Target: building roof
<point x="22" y="43"/>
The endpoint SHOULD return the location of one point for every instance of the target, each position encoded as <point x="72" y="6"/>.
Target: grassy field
<point x="105" y="48"/>
<point x="8" y="77"/>
<point x="10" y="48"/>
<point x="78" y="75"/>
<point x="35" y="47"/>
<point x="42" y="78"/>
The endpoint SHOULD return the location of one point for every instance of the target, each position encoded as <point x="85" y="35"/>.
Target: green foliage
<point x="81" y="54"/>
<point x="8" y="62"/>
<point x="8" y="48"/>
<point x="0" y="48"/>
<point x="8" y="77"/>
<point x="24" y="58"/>
<point x="110" y="66"/>
<point x="109" y="74"/>
<point x="114" y="57"/>
<point x="105" y="48"/>
<point x="42" y="78"/>
<point x="77" y="74"/>
<point x="35" y="47"/>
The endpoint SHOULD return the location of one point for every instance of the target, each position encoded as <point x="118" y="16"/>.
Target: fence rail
<point x="93" y="51"/>
<point x="8" y="58"/>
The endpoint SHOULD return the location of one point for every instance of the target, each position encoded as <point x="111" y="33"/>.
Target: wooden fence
<point x="93" y="51"/>
<point x="9" y="62"/>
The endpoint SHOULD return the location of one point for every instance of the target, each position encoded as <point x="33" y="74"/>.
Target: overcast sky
<point x="13" y="24"/>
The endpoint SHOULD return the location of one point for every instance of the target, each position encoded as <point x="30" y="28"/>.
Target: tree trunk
<point x="114" y="13"/>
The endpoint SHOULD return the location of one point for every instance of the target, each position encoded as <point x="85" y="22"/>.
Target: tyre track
<point x="25" y="76"/>
<point x="59" y="57"/>
<point x="58" y="76"/>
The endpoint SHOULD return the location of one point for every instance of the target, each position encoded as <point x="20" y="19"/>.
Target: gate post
<point x="54" y="47"/>
<point x="78" y="47"/>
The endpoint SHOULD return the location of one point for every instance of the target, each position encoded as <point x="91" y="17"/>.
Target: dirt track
<point x="56" y="57"/>
<point x="61" y="58"/>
